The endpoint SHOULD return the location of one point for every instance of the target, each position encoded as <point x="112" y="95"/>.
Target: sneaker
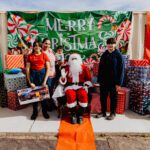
<point x="111" y="116"/>
<point x="99" y="115"/>
<point x="34" y="115"/>
<point x="80" y="120"/>
<point x="45" y="115"/>
<point x="73" y="120"/>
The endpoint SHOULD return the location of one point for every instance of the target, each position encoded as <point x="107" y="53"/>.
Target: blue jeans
<point x="37" y="77"/>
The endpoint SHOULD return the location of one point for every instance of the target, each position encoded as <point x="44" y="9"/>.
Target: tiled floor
<point x="19" y="121"/>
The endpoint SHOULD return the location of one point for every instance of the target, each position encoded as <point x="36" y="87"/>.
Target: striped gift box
<point x="14" y="61"/>
<point x="143" y="62"/>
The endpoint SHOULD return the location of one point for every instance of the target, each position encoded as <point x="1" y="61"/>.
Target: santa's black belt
<point x="74" y="83"/>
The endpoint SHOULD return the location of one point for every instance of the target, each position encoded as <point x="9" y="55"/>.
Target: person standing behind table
<point x="110" y="78"/>
<point x="37" y="75"/>
<point x="49" y="52"/>
<point x="59" y="61"/>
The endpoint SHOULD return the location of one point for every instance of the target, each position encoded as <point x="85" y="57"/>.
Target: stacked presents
<point x="122" y="101"/>
<point x="14" y="82"/>
<point x="138" y="80"/>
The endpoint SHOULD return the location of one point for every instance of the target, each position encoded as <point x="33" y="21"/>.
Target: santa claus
<point x="76" y="77"/>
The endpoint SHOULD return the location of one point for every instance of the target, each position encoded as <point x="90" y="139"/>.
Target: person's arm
<point x="51" y="67"/>
<point x="88" y="77"/>
<point x="120" y="70"/>
<point x="47" y="73"/>
<point x="28" y="67"/>
<point x="63" y="58"/>
<point x="100" y="69"/>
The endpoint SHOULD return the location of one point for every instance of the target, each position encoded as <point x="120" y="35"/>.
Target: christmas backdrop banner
<point x="82" y="32"/>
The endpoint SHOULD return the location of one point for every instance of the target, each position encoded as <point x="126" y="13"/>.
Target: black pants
<point x="43" y="104"/>
<point x="104" y="92"/>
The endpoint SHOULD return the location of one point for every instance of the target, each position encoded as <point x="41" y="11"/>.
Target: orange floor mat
<point x="76" y="137"/>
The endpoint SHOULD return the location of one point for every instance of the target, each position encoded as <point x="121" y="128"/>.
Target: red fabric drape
<point x="147" y="39"/>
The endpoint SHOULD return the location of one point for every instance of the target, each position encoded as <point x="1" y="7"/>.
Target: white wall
<point x="3" y="35"/>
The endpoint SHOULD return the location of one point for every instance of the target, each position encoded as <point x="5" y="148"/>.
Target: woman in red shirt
<point x="37" y="75"/>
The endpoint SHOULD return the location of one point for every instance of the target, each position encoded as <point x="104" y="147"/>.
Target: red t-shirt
<point x="37" y="61"/>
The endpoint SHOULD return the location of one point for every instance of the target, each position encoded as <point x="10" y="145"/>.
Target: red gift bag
<point x="121" y="98"/>
<point x="14" y="61"/>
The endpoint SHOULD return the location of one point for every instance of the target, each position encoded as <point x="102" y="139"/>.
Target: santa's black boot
<point x="73" y="115"/>
<point x="81" y="111"/>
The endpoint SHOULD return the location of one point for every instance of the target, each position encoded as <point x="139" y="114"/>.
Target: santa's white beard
<point x="75" y="69"/>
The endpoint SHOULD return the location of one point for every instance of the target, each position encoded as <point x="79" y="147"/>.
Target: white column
<point x="137" y="38"/>
<point x="3" y="36"/>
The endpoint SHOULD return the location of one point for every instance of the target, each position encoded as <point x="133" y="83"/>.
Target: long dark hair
<point x="34" y="44"/>
<point x="45" y="40"/>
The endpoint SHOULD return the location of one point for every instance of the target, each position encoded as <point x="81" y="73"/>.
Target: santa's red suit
<point x="76" y="87"/>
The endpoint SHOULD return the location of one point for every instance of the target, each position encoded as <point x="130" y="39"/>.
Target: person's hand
<point x="88" y="84"/>
<point x="96" y="84"/>
<point x="32" y="85"/>
<point x="63" y="73"/>
<point x="118" y="87"/>
<point x="44" y="84"/>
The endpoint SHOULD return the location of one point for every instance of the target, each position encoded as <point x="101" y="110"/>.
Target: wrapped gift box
<point x="126" y="60"/>
<point x="3" y="97"/>
<point x="95" y="103"/>
<point x="139" y="95"/>
<point x="143" y="62"/>
<point x="14" y="82"/>
<point x="137" y="73"/>
<point x="122" y="101"/>
<point x="13" y="102"/>
<point x="121" y="98"/>
<point x="1" y="80"/>
<point x="29" y="95"/>
<point x="127" y="93"/>
<point x="14" y="61"/>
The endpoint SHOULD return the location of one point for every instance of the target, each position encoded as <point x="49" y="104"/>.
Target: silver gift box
<point x="15" y="82"/>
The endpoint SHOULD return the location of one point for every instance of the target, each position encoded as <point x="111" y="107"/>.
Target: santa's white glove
<point x="63" y="73"/>
<point x="88" y="84"/>
<point x="63" y="78"/>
